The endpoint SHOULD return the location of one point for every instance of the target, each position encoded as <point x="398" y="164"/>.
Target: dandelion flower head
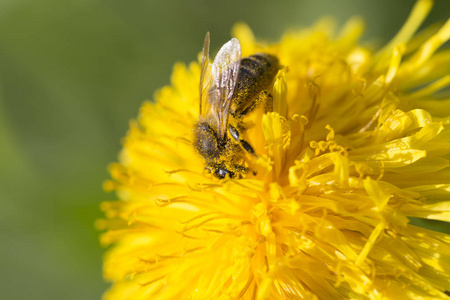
<point x="358" y="143"/>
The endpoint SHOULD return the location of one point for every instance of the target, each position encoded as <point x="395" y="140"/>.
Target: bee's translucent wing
<point x="224" y="74"/>
<point x="217" y="83"/>
<point x="205" y="75"/>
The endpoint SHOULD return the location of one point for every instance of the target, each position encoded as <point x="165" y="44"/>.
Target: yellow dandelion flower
<point x="358" y="143"/>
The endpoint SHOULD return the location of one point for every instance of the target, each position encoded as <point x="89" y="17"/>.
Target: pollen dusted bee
<point x="230" y="88"/>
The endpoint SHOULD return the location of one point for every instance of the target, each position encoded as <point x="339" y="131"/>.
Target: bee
<point x="230" y="88"/>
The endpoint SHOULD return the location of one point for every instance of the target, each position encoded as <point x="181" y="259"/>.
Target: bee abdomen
<point x="256" y="73"/>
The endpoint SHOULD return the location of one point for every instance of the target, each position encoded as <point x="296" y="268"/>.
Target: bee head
<point x="220" y="172"/>
<point x="218" y="156"/>
<point x="206" y="142"/>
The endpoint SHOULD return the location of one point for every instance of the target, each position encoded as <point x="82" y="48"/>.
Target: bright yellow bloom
<point x="358" y="142"/>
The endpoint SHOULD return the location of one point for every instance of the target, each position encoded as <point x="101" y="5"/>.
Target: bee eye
<point x="221" y="173"/>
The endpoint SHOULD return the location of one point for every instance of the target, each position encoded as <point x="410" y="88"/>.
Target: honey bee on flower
<point x="230" y="88"/>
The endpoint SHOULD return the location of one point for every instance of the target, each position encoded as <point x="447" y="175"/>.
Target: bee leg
<point x="268" y="102"/>
<point x="247" y="147"/>
<point x="266" y="98"/>
<point x="235" y="134"/>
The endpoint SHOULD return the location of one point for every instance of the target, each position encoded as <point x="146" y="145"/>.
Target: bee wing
<point x="205" y="75"/>
<point x="222" y="81"/>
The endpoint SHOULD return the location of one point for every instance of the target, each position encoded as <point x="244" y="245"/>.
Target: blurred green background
<point x="72" y="74"/>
